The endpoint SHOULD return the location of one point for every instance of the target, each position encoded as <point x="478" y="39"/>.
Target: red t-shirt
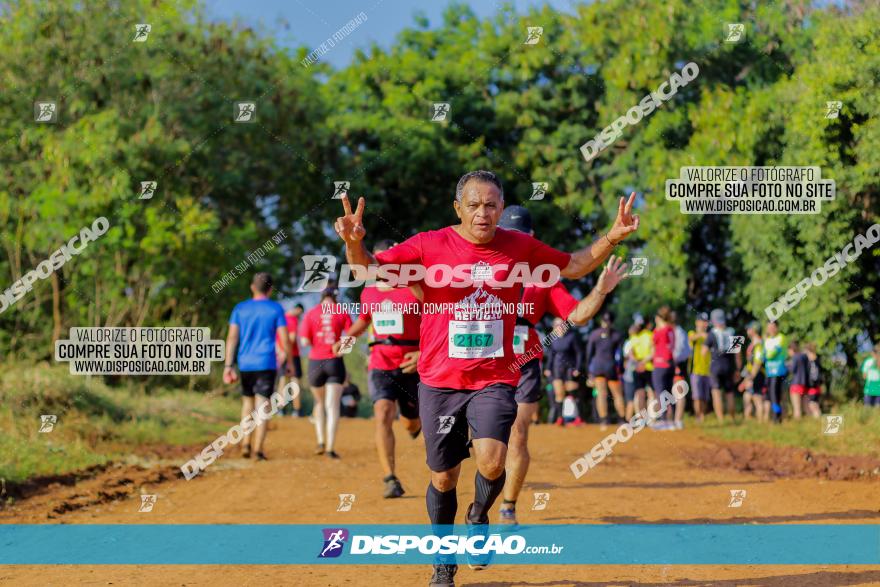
<point x="664" y="341"/>
<point x="292" y="327"/>
<point x="323" y="326"/>
<point x="554" y="300"/>
<point x="470" y="346"/>
<point x="398" y="319"/>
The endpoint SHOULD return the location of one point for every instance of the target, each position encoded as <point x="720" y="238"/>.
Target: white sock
<point x="334" y="393"/>
<point x="318" y="416"/>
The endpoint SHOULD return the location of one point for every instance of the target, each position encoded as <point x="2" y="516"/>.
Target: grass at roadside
<point x="96" y="423"/>
<point x="860" y="434"/>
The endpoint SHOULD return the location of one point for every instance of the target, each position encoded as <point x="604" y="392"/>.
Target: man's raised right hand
<point x="350" y="227"/>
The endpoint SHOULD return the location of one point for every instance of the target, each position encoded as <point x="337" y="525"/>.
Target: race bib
<point x="520" y="336"/>
<point x="386" y="323"/>
<point x="476" y="339"/>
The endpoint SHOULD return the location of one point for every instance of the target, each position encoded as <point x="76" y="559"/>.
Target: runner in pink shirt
<point x="392" y="315"/>
<point x="528" y="348"/>
<point x="322" y="327"/>
<point x="467" y="336"/>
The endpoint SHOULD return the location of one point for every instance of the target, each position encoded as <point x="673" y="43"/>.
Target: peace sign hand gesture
<point x="350" y="227"/>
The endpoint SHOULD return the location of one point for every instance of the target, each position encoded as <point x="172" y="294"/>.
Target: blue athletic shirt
<point x="257" y="321"/>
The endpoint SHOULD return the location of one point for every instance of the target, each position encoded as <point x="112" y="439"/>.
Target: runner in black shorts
<point x="536" y="302"/>
<point x="253" y="328"/>
<point x="723" y="371"/>
<point x="322" y="329"/>
<point x="467" y="383"/>
<point x="565" y="356"/>
<point x="394" y="353"/>
<point x="604" y="346"/>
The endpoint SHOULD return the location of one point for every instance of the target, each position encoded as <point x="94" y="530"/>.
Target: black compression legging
<point x="775" y="386"/>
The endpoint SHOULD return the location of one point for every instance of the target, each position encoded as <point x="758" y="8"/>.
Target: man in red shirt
<point x="292" y="319"/>
<point x="394" y="352"/>
<point x="321" y="329"/>
<point x="538" y="301"/>
<point x="466" y="338"/>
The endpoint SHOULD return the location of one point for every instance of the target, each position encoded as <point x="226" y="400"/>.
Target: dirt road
<point x="651" y="479"/>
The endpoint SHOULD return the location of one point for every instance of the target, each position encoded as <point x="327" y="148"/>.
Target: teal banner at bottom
<point x="371" y="544"/>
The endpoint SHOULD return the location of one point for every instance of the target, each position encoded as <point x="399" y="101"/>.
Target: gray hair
<point x="479" y="175"/>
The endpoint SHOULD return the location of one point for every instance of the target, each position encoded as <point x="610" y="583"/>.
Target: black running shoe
<point x="393" y="488"/>
<point x="246" y="452"/>
<point x="477" y="562"/>
<point x="444" y="576"/>
<point x="319" y="450"/>
<point x="261" y="456"/>
<point x="332" y="454"/>
<point x="415" y="434"/>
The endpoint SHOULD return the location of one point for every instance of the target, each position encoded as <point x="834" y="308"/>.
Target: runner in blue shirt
<point x="252" y="331"/>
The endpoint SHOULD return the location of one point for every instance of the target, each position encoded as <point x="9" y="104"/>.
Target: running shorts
<point x="529" y="389"/>
<point x="661" y="379"/>
<point x="797" y="389"/>
<point x="723" y="380"/>
<point x="448" y="414"/>
<point x="642" y="380"/>
<point x="323" y="371"/>
<point x="257" y="382"/>
<point x="397" y="386"/>
<point x="604" y="371"/>
<point x="701" y="386"/>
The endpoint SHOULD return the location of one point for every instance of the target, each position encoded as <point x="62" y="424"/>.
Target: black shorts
<point x="662" y="379"/>
<point x="723" y="380"/>
<point x="297" y="367"/>
<point x="322" y="371"/>
<point x="759" y="385"/>
<point x="448" y="414"/>
<point x="701" y="386"/>
<point x="642" y="380"/>
<point x="608" y="371"/>
<point x="397" y="386"/>
<point x="562" y="369"/>
<point x="529" y="389"/>
<point x="257" y="382"/>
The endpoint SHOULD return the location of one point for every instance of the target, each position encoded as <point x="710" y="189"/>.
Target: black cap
<point x="703" y="316"/>
<point x="516" y="218"/>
